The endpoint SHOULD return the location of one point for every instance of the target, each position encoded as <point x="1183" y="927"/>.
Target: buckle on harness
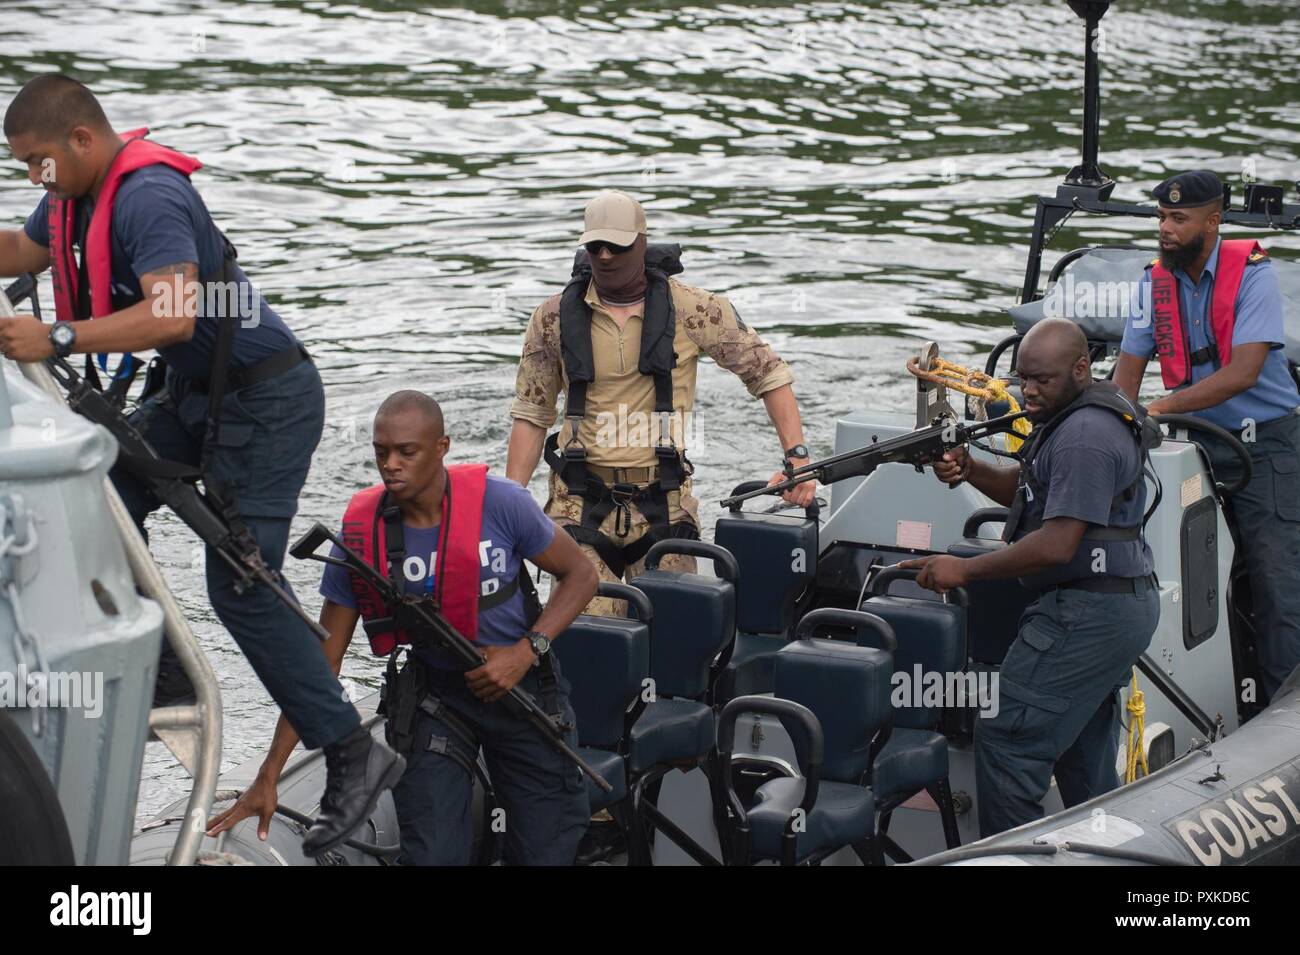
<point x="666" y="431"/>
<point x="574" y="449"/>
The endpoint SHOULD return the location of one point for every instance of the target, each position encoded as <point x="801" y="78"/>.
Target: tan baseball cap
<point x="613" y="217"/>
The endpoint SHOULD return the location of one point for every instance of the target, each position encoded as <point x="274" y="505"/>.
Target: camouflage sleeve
<point x="539" y="379"/>
<point x="719" y="332"/>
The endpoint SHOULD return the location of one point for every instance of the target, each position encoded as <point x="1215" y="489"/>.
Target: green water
<point x="407" y="183"/>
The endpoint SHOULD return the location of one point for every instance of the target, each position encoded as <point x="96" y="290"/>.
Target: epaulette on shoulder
<point x="1257" y="256"/>
<point x="1155" y="261"/>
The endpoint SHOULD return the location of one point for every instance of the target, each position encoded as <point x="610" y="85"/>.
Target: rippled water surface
<point x="407" y="183"/>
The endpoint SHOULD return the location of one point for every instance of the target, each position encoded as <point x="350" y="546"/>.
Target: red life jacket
<point x="98" y="251"/>
<point x="457" y="568"/>
<point x="1173" y="346"/>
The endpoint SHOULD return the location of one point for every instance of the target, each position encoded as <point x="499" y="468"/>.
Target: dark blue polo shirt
<point x="1087" y="463"/>
<point x="159" y="219"/>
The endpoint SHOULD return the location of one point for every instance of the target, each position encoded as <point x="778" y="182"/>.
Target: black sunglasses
<point x="593" y="248"/>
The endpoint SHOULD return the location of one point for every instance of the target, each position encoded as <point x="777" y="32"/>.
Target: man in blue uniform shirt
<point x="1075" y="529"/>
<point x="543" y="795"/>
<point x="1251" y="394"/>
<point x="161" y="242"/>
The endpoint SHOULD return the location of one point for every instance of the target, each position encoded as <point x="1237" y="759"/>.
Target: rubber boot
<point x="358" y="769"/>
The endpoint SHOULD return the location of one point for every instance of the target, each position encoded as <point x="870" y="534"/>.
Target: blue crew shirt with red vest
<point x="159" y="219"/>
<point x="1258" y="319"/>
<point x="514" y="527"/>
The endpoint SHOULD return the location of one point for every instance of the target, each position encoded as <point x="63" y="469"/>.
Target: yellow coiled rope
<point x="1137" y="724"/>
<point x="978" y="385"/>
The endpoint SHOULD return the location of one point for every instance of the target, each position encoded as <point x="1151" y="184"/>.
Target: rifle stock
<point x="421" y="620"/>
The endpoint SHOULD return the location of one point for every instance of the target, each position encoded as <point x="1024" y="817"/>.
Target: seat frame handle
<point x="810" y="756"/>
<point x="879" y="584"/>
<point x="724" y="563"/>
<point x="853" y="619"/>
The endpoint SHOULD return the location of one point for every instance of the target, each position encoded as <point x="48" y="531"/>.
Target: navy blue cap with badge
<point x="1187" y="190"/>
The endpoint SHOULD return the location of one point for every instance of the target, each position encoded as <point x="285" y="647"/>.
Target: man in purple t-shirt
<point x="544" y="796"/>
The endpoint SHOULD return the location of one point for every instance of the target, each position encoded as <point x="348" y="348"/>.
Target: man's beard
<point x="1183" y="255"/>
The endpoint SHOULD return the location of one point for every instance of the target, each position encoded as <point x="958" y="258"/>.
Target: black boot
<point x="359" y="768"/>
<point x="603" y="840"/>
<point x="172" y="687"/>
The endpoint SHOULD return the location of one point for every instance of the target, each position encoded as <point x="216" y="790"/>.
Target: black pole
<point x="1091" y="98"/>
<point x="1086" y="180"/>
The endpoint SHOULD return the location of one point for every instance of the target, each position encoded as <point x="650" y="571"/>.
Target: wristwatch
<point x="62" y="337"/>
<point x="798" y="451"/>
<point x="540" y="643"/>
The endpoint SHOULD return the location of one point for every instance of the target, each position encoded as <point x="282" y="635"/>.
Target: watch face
<point x="540" y="643"/>
<point x="63" y="334"/>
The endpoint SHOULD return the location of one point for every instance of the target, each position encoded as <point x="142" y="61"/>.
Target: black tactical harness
<point x="1030" y="504"/>
<point x="657" y="359"/>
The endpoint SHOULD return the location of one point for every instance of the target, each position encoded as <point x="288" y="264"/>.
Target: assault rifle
<point x="418" y="615"/>
<point x="917" y="448"/>
<point x="209" y="511"/>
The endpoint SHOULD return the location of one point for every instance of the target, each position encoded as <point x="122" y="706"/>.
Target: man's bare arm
<point x="575" y="583"/>
<point x="1128" y="374"/>
<point x="524" y="450"/>
<point x="19" y="254"/>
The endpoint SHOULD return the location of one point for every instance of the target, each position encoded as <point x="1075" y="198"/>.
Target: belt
<point x="1107" y="585"/>
<point x="625" y="475"/>
<point x="269" y="367"/>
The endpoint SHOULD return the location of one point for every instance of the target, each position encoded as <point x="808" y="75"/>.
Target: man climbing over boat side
<point x="152" y="263"/>
<point x="1076" y="502"/>
<point x="475" y="564"/>
<point x="1210" y="309"/>
<point x="623" y="341"/>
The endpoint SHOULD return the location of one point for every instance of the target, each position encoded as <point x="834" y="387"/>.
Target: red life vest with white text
<point x="97" y="254"/>
<point x="457" y="567"/>
<point x="1173" y="345"/>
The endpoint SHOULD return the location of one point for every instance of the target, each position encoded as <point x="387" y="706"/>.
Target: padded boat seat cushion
<point x="670" y="731"/>
<point x="931" y="636"/>
<point x="695" y="618"/>
<point x="613" y="768"/>
<point x="777" y="556"/>
<point x="910" y="761"/>
<point x="843" y="814"/>
<point x="847" y="688"/>
<point x="605" y="660"/>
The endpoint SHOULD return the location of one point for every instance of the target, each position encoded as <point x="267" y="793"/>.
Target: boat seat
<point x="606" y="661"/>
<point x="995" y="606"/>
<point x="832" y="697"/>
<point x="777" y="557"/>
<point x="931" y="643"/>
<point x="694" y="636"/>
<point x="695" y="619"/>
